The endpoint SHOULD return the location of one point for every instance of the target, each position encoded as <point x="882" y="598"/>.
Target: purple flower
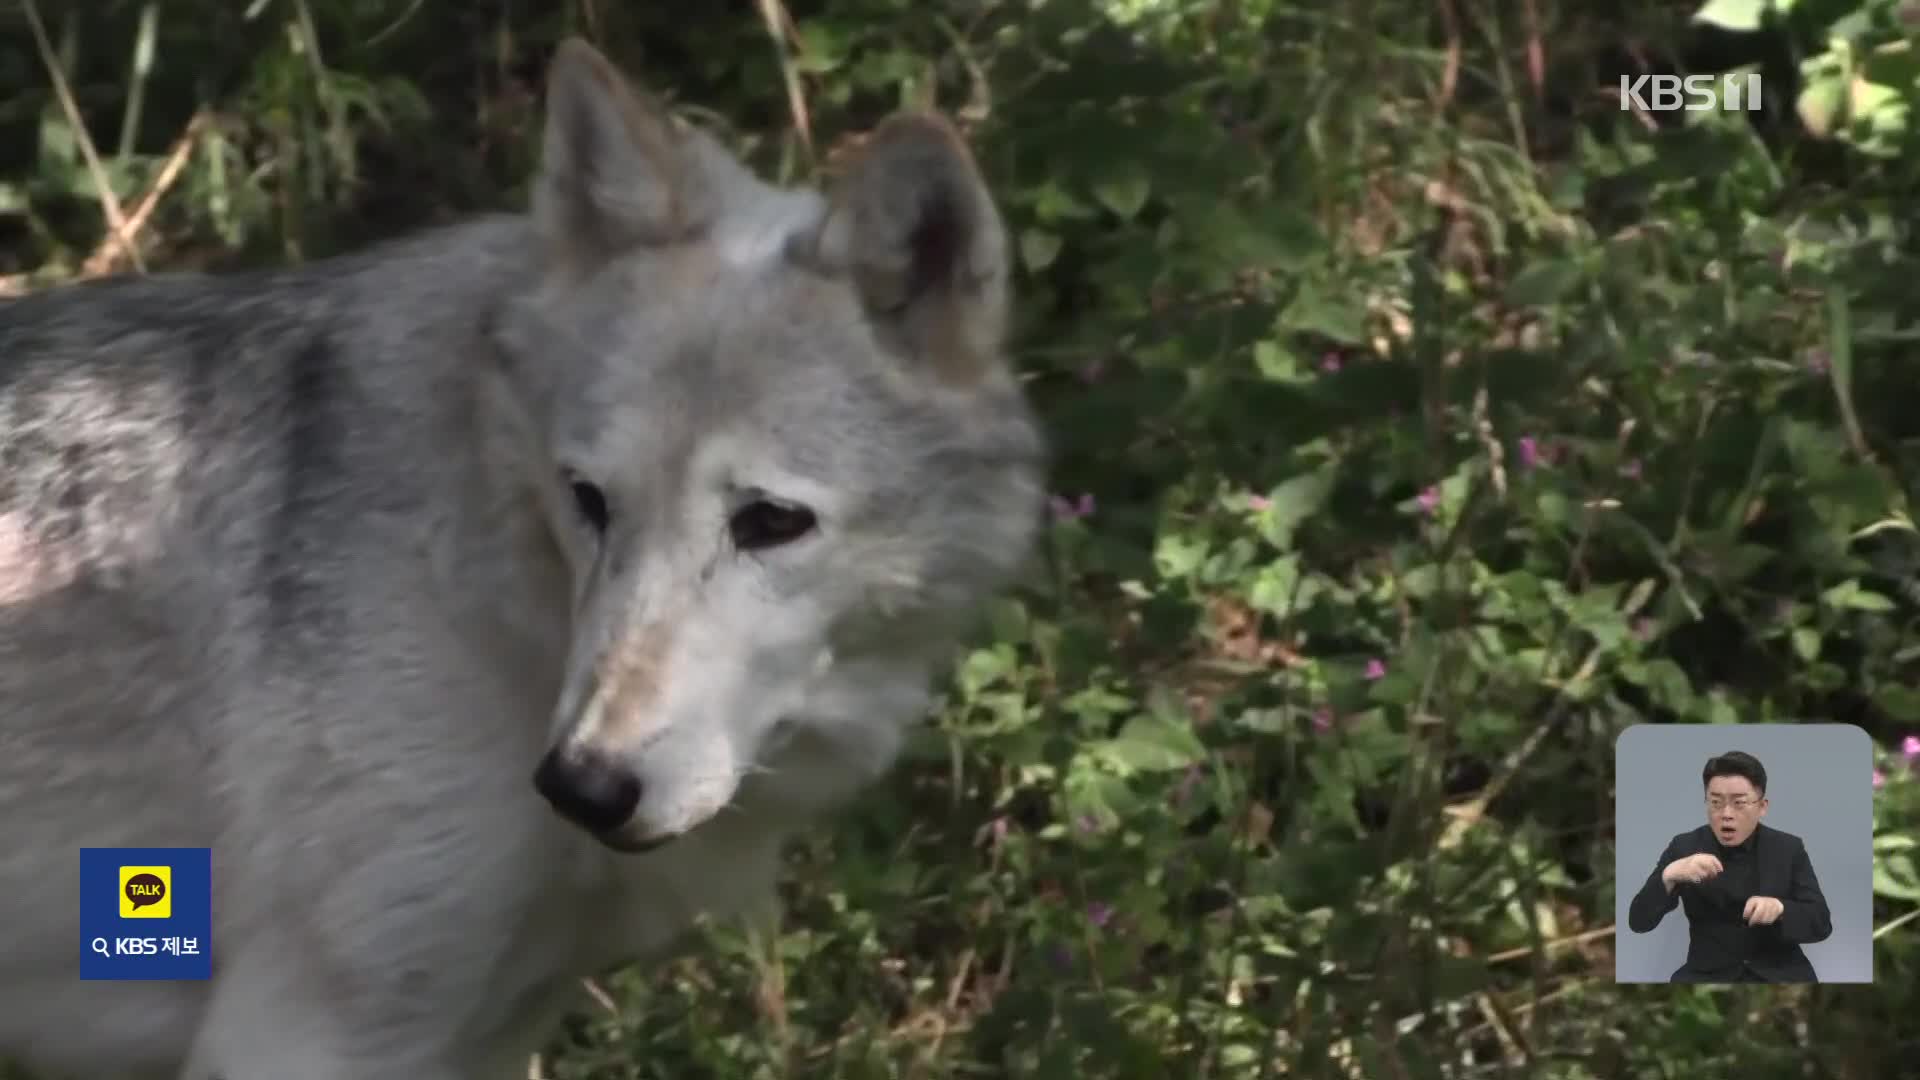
<point x="1879" y="778"/>
<point x="1330" y="362"/>
<point x="1529" y="452"/>
<point x="1376" y="669"/>
<point x="1259" y="503"/>
<point x="1910" y="746"/>
<point x="1068" y="509"/>
<point x="1429" y="499"/>
<point x="1060" y="958"/>
<point x="1087" y="823"/>
<point x="1099" y="914"/>
<point x="1323" y="719"/>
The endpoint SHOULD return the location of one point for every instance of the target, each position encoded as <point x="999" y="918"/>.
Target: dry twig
<point x="105" y="259"/>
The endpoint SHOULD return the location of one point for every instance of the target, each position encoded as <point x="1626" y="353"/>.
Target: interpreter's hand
<point x="1692" y="869"/>
<point x="1761" y="910"/>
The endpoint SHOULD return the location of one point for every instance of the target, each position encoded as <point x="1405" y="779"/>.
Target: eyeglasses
<point x="1740" y="803"/>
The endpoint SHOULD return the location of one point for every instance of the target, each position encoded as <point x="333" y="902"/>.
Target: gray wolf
<point x="495" y="601"/>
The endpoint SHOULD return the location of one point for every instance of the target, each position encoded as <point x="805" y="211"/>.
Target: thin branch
<point x="1888" y="928"/>
<point x="140" y="72"/>
<point x="781" y="29"/>
<point x="103" y="188"/>
<point x="1556" y="943"/>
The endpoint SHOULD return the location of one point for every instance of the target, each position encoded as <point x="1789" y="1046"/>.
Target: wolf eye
<point x="590" y="501"/>
<point x="764" y="524"/>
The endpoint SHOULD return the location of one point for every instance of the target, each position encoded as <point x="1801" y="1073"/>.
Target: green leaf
<point x="1848" y="595"/>
<point x="1665" y="680"/>
<point x="1393" y="689"/>
<point x="1038" y="249"/>
<point x="1179" y="556"/>
<point x="1331" y="794"/>
<point x="1738" y="15"/>
<point x="822" y="47"/>
<point x="1101" y="797"/>
<point x="1821" y="104"/>
<point x="1899" y="702"/>
<point x="1331" y="315"/>
<point x="1277" y="588"/>
<point x="1274" y="360"/>
<point x="1051" y="202"/>
<point x="1543" y="282"/>
<point x="1125" y="191"/>
<point x="1217" y="234"/>
<point x="1153" y="743"/>
<point x="1806" y="643"/>
<point x="1293" y="502"/>
<point x="1895" y="873"/>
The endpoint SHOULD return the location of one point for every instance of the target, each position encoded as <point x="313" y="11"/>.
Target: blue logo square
<point x="146" y="913"/>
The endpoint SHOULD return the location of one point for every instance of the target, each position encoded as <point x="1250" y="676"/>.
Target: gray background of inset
<point x="1819" y="787"/>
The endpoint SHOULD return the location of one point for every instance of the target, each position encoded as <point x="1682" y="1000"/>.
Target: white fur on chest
<point x="607" y="910"/>
<point x="646" y="903"/>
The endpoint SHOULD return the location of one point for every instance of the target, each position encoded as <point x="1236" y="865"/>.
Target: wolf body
<point x="492" y="602"/>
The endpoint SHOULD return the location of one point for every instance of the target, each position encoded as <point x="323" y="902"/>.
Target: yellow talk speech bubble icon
<point x="146" y="892"/>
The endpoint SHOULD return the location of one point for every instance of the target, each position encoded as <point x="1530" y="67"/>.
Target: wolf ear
<point x="911" y="222"/>
<point x="615" y="171"/>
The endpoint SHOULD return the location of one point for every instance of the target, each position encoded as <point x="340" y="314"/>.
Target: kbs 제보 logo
<point x="146" y="913"/>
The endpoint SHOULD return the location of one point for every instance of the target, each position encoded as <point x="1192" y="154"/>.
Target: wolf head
<point x="774" y="435"/>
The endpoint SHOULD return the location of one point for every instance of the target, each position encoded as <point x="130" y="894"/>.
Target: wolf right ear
<point x="615" y="171"/>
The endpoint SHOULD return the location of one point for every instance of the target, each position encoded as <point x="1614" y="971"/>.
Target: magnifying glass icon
<point x="100" y="946"/>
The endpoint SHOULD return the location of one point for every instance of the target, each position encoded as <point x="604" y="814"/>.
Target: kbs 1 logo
<point x="146" y="913"/>
<point x="1691" y="93"/>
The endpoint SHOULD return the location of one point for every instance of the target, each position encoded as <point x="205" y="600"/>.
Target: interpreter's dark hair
<point x="1736" y="763"/>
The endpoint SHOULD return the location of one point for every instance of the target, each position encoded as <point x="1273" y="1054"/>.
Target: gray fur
<point x="290" y="567"/>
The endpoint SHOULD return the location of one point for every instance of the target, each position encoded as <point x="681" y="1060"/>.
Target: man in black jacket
<point x="1751" y="896"/>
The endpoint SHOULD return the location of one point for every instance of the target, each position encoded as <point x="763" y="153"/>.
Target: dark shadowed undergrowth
<point x="1424" y="420"/>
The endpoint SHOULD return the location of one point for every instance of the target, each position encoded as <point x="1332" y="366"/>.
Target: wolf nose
<point x="587" y="789"/>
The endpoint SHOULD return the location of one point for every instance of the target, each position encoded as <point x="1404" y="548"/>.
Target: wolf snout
<point x="588" y="789"/>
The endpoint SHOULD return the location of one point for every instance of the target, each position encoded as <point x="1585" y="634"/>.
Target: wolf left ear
<point x="912" y="223"/>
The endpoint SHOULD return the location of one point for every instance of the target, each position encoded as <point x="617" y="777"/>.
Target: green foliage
<point x="1424" y="420"/>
